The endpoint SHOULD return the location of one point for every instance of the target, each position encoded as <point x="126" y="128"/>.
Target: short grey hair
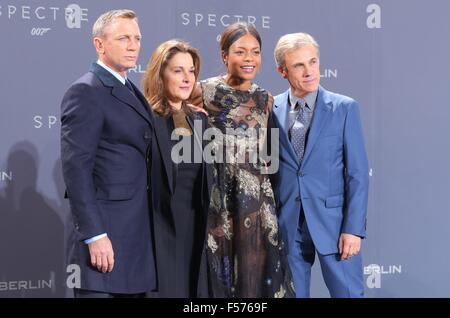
<point x="103" y="21"/>
<point x="290" y="42"/>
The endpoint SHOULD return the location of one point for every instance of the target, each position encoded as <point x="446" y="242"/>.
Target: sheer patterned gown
<point x="245" y="252"/>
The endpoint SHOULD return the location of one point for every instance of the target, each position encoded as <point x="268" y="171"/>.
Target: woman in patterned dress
<point x="245" y="253"/>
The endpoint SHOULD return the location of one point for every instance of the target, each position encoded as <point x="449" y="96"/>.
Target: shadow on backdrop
<point x="31" y="232"/>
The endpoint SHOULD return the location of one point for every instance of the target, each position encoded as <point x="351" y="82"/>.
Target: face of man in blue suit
<point x="120" y="44"/>
<point x="302" y="70"/>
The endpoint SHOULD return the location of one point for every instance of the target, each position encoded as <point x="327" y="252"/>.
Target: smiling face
<point x="243" y="59"/>
<point x="179" y="78"/>
<point x="302" y="70"/>
<point x="119" y="47"/>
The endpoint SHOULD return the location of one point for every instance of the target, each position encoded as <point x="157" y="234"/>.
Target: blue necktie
<point x="299" y="130"/>
<point x="128" y="85"/>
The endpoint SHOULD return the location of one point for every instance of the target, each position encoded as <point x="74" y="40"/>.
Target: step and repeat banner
<point x="391" y="56"/>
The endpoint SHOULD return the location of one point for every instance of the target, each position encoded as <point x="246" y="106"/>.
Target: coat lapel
<point x="124" y="95"/>
<point x="197" y="132"/>
<point x="121" y="92"/>
<point x="207" y="177"/>
<point x="162" y="134"/>
<point x="321" y="114"/>
<point x="281" y="112"/>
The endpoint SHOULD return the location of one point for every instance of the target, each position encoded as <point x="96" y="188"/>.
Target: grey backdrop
<point x="392" y="56"/>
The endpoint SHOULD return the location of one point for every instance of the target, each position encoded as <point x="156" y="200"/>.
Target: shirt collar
<point x="116" y="74"/>
<point x="309" y="99"/>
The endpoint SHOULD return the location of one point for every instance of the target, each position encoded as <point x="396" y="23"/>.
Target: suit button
<point x="300" y="173"/>
<point x="247" y="222"/>
<point x="147" y="135"/>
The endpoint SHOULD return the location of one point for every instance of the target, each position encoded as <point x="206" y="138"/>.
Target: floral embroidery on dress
<point x="244" y="254"/>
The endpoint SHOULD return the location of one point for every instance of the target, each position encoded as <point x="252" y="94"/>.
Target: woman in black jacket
<point x="181" y="202"/>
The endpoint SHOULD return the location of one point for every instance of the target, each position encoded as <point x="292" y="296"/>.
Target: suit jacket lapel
<point x="321" y="114"/>
<point x="143" y="100"/>
<point x="121" y="92"/>
<point x="197" y="132"/>
<point x="281" y="111"/>
<point x="162" y="133"/>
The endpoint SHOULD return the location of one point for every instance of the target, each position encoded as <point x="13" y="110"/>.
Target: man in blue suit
<point x="322" y="183"/>
<point x="108" y="142"/>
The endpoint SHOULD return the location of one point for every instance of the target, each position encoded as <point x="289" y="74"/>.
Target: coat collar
<point x="121" y="92"/>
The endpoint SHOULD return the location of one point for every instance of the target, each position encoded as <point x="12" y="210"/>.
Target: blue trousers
<point x="343" y="279"/>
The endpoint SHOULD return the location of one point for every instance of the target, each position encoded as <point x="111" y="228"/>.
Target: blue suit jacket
<point x="107" y="136"/>
<point x="332" y="181"/>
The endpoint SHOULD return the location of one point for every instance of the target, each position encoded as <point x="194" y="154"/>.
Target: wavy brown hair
<point x="153" y="83"/>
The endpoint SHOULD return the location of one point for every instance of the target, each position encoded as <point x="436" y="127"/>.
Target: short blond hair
<point x="103" y="21"/>
<point x="290" y="42"/>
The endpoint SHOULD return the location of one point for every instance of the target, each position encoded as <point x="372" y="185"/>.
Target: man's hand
<point x="349" y="245"/>
<point x="102" y="255"/>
